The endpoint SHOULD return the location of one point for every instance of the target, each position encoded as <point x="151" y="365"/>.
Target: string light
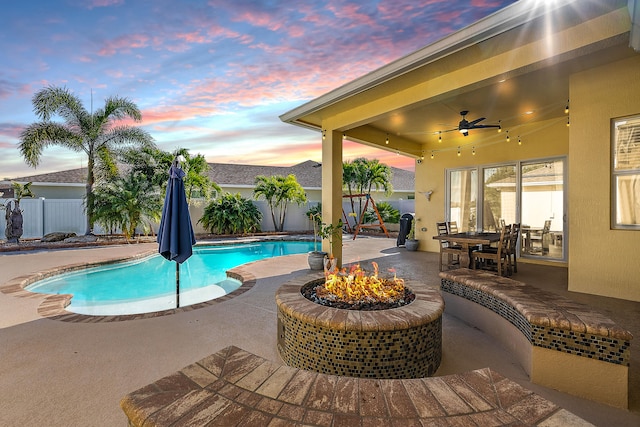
<point x="344" y="136"/>
<point x="432" y="155"/>
<point x="566" y="109"/>
<point x="508" y="139"/>
<point x="473" y="151"/>
<point x="440" y="136"/>
<point x="519" y="140"/>
<point x="567" y="121"/>
<point x="387" y="140"/>
<point x="459" y="151"/>
<point x="499" y="126"/>
<point x="324" y="134"/>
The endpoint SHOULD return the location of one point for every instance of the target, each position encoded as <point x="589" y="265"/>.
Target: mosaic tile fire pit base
<point x="403" y="342"/>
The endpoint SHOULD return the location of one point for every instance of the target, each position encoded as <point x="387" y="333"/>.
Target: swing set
<point x="360" y="225"/>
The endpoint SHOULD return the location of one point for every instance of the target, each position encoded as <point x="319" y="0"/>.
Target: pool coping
<point x="54" y="306"/>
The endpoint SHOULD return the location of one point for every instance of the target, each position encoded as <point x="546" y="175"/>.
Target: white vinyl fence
<point x="43" y="216"/>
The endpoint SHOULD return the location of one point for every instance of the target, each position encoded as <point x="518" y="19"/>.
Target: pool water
<point x="149" y="284"/>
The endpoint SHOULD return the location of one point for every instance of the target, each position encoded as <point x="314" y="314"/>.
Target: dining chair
<point x="513" y="247"/>
<point x="452" y="227"/>
<point x="452" y="251"/>
<point x="489" y="259"/>
<point x="540" y="239"/>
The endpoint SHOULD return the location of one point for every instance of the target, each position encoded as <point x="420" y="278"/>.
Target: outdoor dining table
<point x="468" y="240"/>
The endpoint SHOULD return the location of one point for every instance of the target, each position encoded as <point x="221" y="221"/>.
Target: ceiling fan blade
<point x="485" y="126"/>
<point x="473" y="122"/>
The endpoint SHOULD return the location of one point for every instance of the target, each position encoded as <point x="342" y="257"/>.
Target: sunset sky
<point x="210" y="76"/>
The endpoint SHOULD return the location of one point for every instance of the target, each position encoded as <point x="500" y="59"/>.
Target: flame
<point x="356" y="286"/>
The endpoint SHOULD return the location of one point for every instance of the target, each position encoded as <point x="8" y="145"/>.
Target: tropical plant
<point x="231" y="214"/>
<point x="315" y="215"/>
<point x="329" y="232"/>
<point x="362" y="175"/>
<point x="279" y="191"/>
<point x="127" y="202"/>
<point x="412" y="231"/>
<point x="388" y="213"/>
<point x="95" y="133"/>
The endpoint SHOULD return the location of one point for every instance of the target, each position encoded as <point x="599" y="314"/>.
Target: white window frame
<point x="617" y="173"/>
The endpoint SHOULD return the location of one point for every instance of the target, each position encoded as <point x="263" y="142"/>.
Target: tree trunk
<point x="89" y="194"/>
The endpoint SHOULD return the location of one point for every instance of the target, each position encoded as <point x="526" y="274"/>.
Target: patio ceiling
<point x="535" y="91"/>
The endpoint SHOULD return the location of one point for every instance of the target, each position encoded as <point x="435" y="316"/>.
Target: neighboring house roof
<point x="308" y="174"/>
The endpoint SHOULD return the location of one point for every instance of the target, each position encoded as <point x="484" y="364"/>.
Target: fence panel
<point x="64" y="215"/>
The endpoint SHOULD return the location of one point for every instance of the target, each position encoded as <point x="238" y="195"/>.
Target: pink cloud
<point x="124" y="44"/>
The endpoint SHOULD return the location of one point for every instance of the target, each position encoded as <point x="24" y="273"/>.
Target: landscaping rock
<point x="56" y="237"/>
<point x="88" y="238"/>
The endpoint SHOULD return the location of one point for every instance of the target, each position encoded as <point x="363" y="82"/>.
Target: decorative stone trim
<point x="54" y="306"/>
<point x="235" y="388"/>
<point x="403" y="342"/>
<point x="546" y="320"/>
<point x="564" y="345"/>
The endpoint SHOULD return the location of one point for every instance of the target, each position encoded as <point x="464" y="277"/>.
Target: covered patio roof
<point x="512" y="67"/>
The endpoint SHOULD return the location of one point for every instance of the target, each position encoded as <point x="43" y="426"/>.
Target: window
<point x="625" y="182"/>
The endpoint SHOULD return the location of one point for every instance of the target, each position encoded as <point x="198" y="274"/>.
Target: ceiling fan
<point x="465" y="125"/>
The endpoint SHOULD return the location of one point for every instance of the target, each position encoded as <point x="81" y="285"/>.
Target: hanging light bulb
<point x="344" y="136"/>
<point x="566" y="109"/>
<point x="324" y="134"/>
<point x="567" y="121"/>
<point x="459" y="151"/>
<point x="387" y="140"/>
<point x="508" y="139"/>
<point x="499" y="126"/>
<point x="440" y="136"/>
<point x="519" y="140"/>
<point x="473" y="151"/>
<point x="432" y="155"/>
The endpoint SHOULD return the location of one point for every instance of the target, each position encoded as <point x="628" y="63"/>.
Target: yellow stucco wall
<point x="603" y="261"/>
<point x="541" y="139"/>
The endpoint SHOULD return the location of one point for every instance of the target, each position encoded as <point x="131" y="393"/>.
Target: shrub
<point x="388" y="213"/>
<point x="231" y="214"/>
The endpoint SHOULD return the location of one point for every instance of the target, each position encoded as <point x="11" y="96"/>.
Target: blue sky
<point x="211" y="76"/>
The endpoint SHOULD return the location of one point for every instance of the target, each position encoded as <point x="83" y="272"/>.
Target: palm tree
<point x="127" y="202"/>
<point x="278" y="191"/>
<point x="363" y="175"/>
<point x="95" y="133"/>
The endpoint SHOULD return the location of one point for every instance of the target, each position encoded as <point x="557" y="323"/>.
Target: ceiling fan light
<point x="465" y="132"/>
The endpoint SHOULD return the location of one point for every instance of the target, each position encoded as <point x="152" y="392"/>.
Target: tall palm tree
<point x="95" y="133"/>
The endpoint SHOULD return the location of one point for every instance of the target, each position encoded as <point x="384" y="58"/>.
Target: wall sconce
<point x="428" y="194"/>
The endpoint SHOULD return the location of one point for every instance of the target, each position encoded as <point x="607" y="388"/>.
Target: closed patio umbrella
<point x="175" y="236"/>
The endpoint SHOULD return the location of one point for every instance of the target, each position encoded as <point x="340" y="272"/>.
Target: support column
<point x="332" y="189"/>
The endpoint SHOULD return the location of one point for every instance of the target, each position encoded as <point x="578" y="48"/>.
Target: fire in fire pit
<point x="354" y="289"/>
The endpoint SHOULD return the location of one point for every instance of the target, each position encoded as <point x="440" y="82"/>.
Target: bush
<point x="231" y="214"/>
<point x="388" y="213"/>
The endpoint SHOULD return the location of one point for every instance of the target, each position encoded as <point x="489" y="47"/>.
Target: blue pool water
<point x="149" y="284"/>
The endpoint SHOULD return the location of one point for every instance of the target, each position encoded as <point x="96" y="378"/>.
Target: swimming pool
<point x="149" y="284"/>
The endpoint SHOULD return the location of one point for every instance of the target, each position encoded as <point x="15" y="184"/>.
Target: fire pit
<point x="404" y="341"/>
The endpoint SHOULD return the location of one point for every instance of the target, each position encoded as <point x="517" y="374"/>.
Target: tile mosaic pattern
<point x="404" y="342"/>
<point x="235" y="388"/>
<point x="547" y="320"/>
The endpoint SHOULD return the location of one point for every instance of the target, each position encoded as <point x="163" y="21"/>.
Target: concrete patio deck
<point x="74" y="374"/>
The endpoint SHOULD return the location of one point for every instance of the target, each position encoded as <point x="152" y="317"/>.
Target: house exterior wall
<point x="602" y="261"/>
<point x="540" y="140"/>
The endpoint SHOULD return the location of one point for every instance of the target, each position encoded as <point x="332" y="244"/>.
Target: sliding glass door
<point x="543" y="212"/>
<point x="531" y="193"/>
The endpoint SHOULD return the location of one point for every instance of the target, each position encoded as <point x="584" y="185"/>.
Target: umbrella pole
<point x="177" y="285"/>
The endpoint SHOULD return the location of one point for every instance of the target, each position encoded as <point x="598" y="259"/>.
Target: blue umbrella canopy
<point x="175" y="235"/>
